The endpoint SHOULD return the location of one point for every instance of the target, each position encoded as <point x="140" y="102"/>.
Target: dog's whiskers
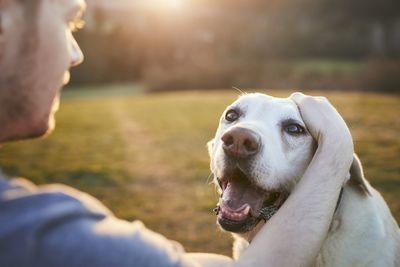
<point x="239" y="90"/>
<point x="209" y="178"/>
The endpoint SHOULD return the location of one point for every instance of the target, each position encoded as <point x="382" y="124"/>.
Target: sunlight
<point x="167" y="5"/>
<point x="173" y="4"/>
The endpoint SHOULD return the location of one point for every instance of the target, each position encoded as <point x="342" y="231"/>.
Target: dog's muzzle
<point x="241" y="143"/>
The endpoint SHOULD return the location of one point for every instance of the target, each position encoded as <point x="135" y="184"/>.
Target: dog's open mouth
<point x="242" y="204"/>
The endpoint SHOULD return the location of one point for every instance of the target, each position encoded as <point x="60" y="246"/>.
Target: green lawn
<point x="144" y="156"/>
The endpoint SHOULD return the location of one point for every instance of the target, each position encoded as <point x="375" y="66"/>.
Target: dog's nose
<point x="240" y="142"/>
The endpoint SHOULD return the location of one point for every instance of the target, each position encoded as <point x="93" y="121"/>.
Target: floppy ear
<point x="210" y="147"/>
<point x="357" y="175"/>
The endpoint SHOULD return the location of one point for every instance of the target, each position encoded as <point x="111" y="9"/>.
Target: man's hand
<point x="326" y="126"/>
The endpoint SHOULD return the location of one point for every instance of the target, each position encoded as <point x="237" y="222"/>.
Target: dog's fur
<point x="363" y="232"/>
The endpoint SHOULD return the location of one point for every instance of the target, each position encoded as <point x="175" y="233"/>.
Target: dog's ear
<point x="210" y="147"/>
<point x="357" y="175"/>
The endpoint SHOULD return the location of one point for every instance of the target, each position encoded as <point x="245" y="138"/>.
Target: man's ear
<point x="357" y="175"/>
<point x="210" y="147"/>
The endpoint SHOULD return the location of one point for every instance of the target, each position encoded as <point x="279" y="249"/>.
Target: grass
<point x="329" y="67"/>
<point x="144" y="156"/>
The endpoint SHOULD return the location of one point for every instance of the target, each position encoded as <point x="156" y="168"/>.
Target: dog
<point x="260" y="151"/>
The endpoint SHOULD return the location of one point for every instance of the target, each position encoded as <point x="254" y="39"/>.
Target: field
<point x="144" y="156"/>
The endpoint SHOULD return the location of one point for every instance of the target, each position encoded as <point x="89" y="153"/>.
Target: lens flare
<point x="174" y="4"/>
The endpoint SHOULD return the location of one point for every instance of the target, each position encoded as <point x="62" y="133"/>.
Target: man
<point x="59" y="226"/>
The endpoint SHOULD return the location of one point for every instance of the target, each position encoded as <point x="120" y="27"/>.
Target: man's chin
<point x="41" y="126"/>
<point x="50" y="126"/>
<point x="34" y="131"/>
<point x="42" y="129"/>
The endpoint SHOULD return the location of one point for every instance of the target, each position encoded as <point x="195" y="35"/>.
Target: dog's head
<point x="261" y="149"/>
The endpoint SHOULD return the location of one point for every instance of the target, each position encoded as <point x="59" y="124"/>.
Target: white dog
<point x="260" y="151"/>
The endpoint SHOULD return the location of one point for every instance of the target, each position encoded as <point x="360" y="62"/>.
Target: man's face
<point x="35" y="57"/>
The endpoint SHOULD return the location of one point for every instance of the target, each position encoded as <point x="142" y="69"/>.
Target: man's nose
<point x="240" y="142"/>
<point x="76" y="53"/>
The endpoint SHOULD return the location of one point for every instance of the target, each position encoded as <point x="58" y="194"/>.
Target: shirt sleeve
<point x="58" y="226"/>
<point x="83" y="242"/>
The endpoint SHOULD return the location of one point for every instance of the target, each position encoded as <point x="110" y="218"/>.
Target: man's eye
<point x="294" y="129"/>
<point x="231" y="115"/>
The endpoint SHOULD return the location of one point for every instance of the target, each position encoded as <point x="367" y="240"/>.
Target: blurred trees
<point x="245" y="43"/>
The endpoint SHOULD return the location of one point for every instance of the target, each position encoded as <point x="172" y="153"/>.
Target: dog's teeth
<point x="246" y="210"/>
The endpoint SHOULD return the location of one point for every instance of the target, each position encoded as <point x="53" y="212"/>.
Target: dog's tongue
<point x="238" y="193"/>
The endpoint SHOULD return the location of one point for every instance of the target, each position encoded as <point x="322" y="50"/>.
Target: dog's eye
<point x="231" y="115"/>
<point x="294" y="129"/>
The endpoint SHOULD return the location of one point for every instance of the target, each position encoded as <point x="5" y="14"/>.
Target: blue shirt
<point x="59" y="226"/>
